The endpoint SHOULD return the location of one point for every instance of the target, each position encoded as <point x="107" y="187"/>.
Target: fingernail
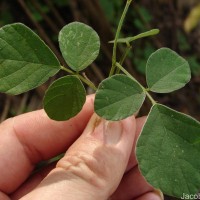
<point x="106" y="131"/>
<point x="159" y="193"/>
<point x="112" y="132"/>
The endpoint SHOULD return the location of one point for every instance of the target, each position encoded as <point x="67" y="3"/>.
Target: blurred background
<point x="178" y="21"/>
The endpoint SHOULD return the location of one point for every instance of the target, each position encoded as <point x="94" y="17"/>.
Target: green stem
<point x="117" y="36"/>
<point x="130" y="76"/>
<point x="128" y="48"/>
<point x="127" y="73"/>
<point x="150" y="98"/>
<point x="86" y="81"/>
<point x="67" y="70"/>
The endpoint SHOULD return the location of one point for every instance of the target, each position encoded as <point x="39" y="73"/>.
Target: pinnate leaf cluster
<point x="168" y="147"/>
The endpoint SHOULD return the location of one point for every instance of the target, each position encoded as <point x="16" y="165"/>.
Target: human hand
<point x="96" y="165"/>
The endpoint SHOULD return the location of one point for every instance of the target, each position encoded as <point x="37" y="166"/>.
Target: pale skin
<point x="99" y="163"/>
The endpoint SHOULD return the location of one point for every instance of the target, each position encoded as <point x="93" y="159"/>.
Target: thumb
<point x="94" y="165"/>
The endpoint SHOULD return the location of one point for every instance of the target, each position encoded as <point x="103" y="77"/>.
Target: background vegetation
<point x="178" y="21"/>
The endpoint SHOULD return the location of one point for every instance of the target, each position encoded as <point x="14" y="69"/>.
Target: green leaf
<point x="25" y="60"/>
<point x="79" y="45"/>
<point x="166" y="71"/>
<point x="168" y="152"/>
<point x="64" y="98"/>
<point x="141" y="35"/>
<point x="118" y="97"/>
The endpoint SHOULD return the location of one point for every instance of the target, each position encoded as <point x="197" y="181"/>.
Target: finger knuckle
<point x="84" y="166"/>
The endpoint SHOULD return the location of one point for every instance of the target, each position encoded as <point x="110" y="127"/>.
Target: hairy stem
<point x="85" y="80"/>
<point x="67" y="70"/>
<point x="117" y="36"/>
<point x="127" y="73"/>
<point x="128" y="48"/>
<point x="150" y="98"/>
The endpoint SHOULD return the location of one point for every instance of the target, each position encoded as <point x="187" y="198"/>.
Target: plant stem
<point x="67" y="70"/>
<point x="150" y="98"/>
<point x="127" y="73"/>
<point x="128" y="48"/>
<point x="117" y="36"/>
<point x="86" y="81"/>
<point x="130" y="76"/>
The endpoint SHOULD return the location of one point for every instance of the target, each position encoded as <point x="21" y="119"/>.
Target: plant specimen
<point x="168" y="147"/>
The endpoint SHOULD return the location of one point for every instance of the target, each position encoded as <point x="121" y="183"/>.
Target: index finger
<point x="32" y="137"/>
